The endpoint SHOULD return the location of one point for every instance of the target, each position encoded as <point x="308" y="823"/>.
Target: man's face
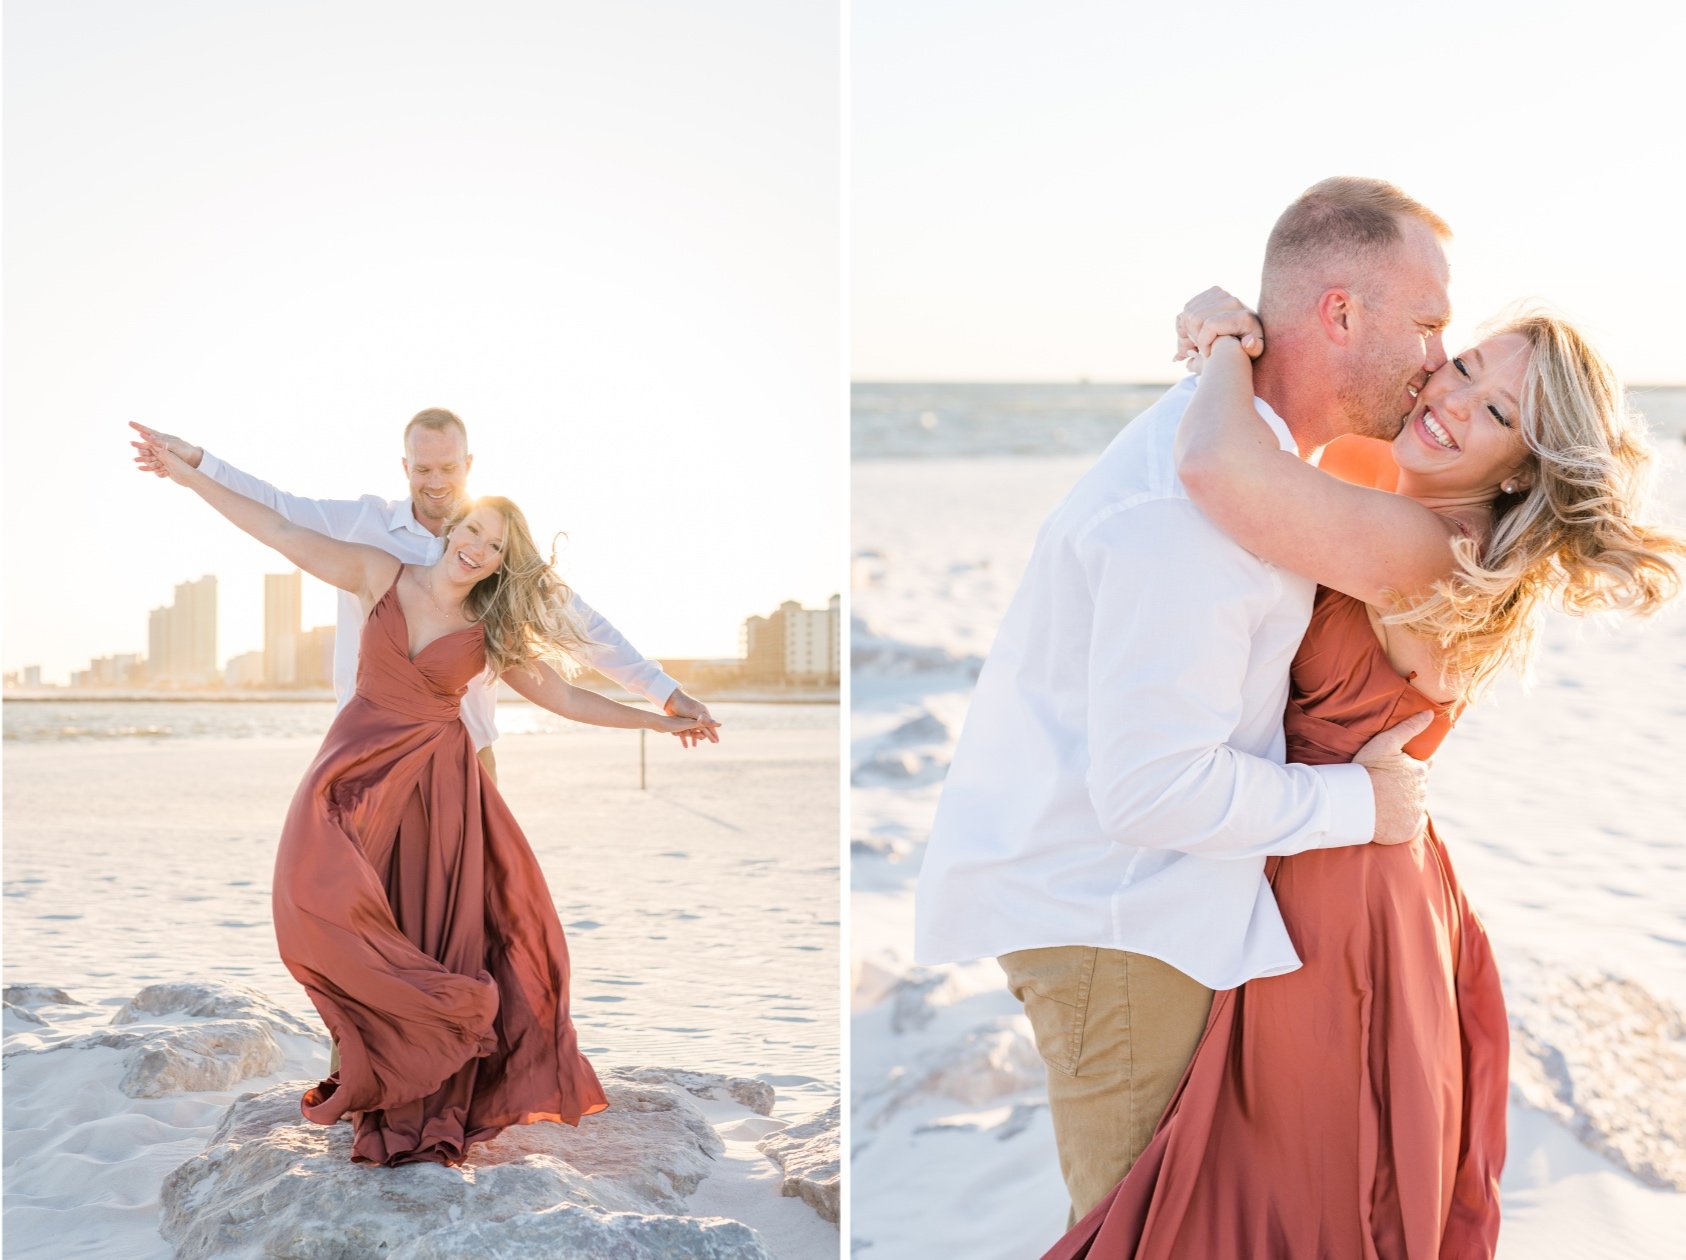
<point x="1396" y="346"/>
<point x="437" y="462"/>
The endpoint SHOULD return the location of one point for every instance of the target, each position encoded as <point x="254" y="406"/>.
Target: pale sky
<point x="606" y="235"/>
<point x="1037" y="188"/>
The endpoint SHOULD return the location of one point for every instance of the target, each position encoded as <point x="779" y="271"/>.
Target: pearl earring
<point x="1508" y="486"/>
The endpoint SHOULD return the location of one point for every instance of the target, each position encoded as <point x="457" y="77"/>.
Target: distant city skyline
<point x="181" y="639"/>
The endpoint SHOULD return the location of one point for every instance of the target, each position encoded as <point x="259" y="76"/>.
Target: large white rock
<point x="582" y="1233"/>
<point x="209" y="999"/>
<point x="177" y="1038"/>
<point x="38" y="995"/>
<point x="807" y="1154"/>
<point x="218" y="1054"/>
<point x="743" y="1090"/>
<point x="21" y="1001"/>
<point x="1608" y="1058"/>
<point x="272" y="1186"/>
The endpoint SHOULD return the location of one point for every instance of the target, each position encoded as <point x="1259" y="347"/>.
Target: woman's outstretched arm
<point x="364" y="571"/>
<point x="547" y="689"/>
<point x="1366" y="543"/>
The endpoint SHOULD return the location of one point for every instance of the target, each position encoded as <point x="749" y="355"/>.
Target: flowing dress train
<point x="410" y="907"/>
<point x="1353" y="1109"/>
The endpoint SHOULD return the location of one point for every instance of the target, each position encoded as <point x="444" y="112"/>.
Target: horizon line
<point x="1098" y="380"/>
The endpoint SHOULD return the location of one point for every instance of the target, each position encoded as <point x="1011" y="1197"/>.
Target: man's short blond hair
<point x="1345" y="217"/>
<point x="439" y="420"/>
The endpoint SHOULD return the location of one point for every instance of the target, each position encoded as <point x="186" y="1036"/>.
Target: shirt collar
<point x="404" y="519"/>
<point x="1278" y="426"/>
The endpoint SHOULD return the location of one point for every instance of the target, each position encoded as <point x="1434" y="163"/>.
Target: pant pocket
<point x="1054" y="984"/>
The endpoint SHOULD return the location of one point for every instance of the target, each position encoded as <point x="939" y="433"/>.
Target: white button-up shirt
<point x="391" y="525"/>
<point x="1120" y="777"/>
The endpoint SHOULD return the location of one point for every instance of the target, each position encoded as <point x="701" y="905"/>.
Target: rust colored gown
<point x="410" y="907"/>
<point x="1353" y="1109"/>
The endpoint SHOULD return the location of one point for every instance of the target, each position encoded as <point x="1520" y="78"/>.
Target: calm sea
<point x="926" y="421"/>
<point x="37" y="721"/>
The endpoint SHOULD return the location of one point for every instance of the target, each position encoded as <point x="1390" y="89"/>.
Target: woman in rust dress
<point x="1354" y="1109"/>
<point x="407" y="902"/>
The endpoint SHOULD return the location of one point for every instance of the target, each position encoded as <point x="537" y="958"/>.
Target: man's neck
<point x="1301" y="394"/>
<point x="426" y="522"/>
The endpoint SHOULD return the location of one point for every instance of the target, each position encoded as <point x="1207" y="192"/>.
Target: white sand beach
<point x="702" y="920"/>
<point x="1559" y="804"/>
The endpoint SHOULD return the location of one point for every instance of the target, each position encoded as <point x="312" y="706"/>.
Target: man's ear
<point x="1335" y="314"/>
<point x="468" y="463"/>
<point x="404" y="464"/>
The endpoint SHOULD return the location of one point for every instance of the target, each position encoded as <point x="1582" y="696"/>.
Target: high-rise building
<point x="245" y="670"/>
<point x="193" y="631"/>
<point x="158" y="645"/>
<point x="316" y="658"/>
<point x="795" y="644"/>
<point x="282" y="601"/>
<point x="181" y="639"/>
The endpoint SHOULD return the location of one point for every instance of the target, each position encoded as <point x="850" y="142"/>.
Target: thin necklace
<point x="434" y="600"/>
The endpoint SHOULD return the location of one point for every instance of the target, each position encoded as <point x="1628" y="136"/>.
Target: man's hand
<point x="147" y="459"/>
<point x="1215" y="314"/>
<point x="1400" y="781"/>
<point x="683" y="706"/>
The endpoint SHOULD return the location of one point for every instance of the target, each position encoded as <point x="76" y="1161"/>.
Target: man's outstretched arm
<point x="610" y="654"/>
<point x="333" y="517"/>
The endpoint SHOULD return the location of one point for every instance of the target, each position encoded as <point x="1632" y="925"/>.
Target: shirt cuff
<point x="661" y="690"/>
<point x="209" y="464"/>
<point x="1352" y="805"/>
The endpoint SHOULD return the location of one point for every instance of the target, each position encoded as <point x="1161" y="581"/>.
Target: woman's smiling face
<point x="1464" y="437"/>
<point x="474" y="550"/>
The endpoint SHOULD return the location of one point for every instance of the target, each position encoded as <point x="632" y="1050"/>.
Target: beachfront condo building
<point x="795" y="645"/>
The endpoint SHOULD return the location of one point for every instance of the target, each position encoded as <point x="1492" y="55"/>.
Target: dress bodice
<point x="1343" y="690"/>
<point x="431" y="686"/>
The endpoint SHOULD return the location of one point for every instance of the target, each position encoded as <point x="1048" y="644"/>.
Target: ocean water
<point x="36" y="721"/>
<point x="936" y="421"/>
<point x="701" y="909"/>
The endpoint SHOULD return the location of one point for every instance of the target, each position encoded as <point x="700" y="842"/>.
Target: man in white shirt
<point x="437" y="462"/>
<point x="1120" y="778"/>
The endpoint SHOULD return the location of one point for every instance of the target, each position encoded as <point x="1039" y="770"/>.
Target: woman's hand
<point x="145" y="459"/>
<point x="156" y="457"/>
<point x="1213" y="314"/>
<point x="691" y="731"/>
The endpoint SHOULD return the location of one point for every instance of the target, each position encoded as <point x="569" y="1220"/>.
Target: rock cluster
<point x="807" y="1155"/>
<point x="1608" y="1058"/>
<point x="235" y="1035"/>
<point x="270" y="1185"/>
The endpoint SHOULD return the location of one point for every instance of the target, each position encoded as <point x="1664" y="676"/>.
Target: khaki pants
<point x="1116" y="1031"/>
<point x="491" y="764"/>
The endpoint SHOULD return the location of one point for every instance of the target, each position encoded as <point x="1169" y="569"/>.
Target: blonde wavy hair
<point x="1575" y="536"/>
<point x="524" y="607"/>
